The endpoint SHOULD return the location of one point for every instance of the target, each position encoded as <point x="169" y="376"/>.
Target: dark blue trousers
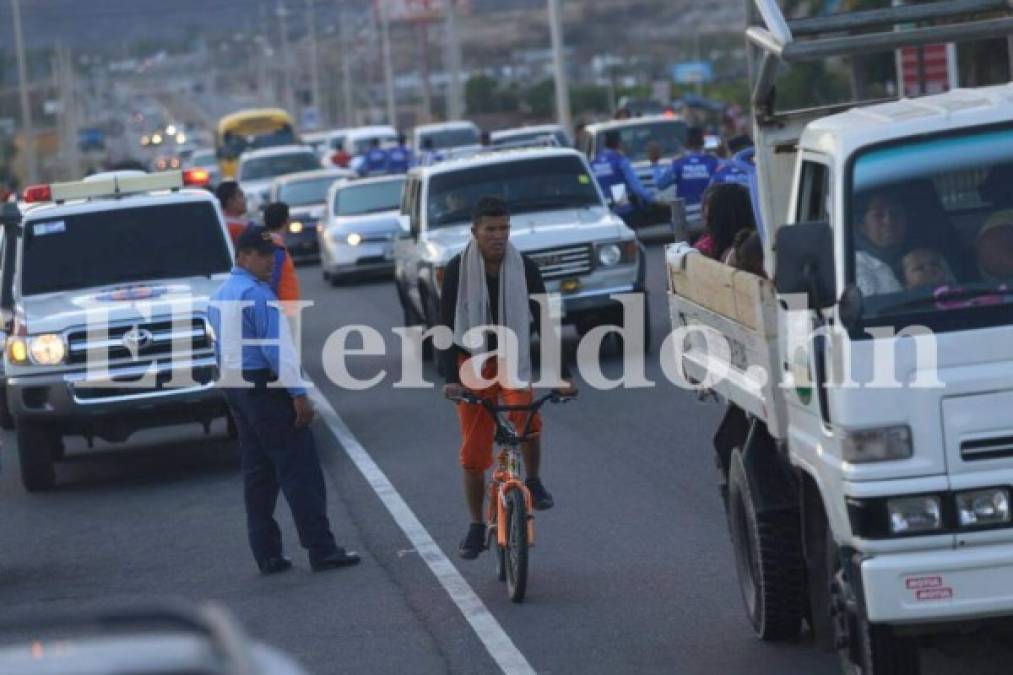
<point x="277" y="456"/>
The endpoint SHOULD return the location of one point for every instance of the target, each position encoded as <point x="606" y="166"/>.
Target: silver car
<point x="361" y="227"/>
<point x="306" y="195"/>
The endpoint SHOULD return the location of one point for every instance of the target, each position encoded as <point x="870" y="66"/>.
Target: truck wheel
<point x="37" y="448"/>
<point x="6" y="419"/>
<point x="865" y="648"/>
<point x="768" y="559"/>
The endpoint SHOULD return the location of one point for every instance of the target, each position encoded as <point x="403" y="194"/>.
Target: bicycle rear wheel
<point x="516" y="553"/>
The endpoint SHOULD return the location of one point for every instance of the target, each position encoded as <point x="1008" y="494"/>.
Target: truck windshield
<point x="166" y="241"/>
<point x="932" y="230"/>
<point x="356" y="200"/>
<point x="450" y="138"/>
<point x="305" y="192"/>
<point x="277" y="165"/>
<point x="544" y="184"/>
<point x="635" y="138"/>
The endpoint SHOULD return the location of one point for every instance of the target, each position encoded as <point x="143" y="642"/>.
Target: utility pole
<point x="63" y="78"/>
<point x="388" y="69"/>
<point x="286" y="71"/>
<point x="311" y="31"/>
<point x="455" y="106"/>
<point x="346" y="65"/>
<point x="27" y="132"/>
<point x="424" y="71"/>
<point x="563" y="113"/>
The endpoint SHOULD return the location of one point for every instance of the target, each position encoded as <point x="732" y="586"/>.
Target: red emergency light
<point x="38" y="193"/>
<point x="196" y="177"/>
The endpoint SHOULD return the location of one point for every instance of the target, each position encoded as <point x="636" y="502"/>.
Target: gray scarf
<point x="473" y="309"/>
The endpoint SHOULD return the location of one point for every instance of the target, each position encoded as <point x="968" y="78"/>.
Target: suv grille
<point x="567" y="261"/>
<point x="137" y="341"/>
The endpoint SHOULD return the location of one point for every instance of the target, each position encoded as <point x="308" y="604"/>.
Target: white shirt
<point x="874" y="277"/>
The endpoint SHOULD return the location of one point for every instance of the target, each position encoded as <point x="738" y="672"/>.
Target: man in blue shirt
<point x="265" y="393"/>
<point x="399" y="158"/>
<point x="737" y="168"/>
<point x="612" y="169"/>
<point x="691" y="172"/>
<point x="375" y="159"/>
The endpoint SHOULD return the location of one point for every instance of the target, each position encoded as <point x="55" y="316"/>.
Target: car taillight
<point x="196" y="177"/>
<point x="38" y="193"/>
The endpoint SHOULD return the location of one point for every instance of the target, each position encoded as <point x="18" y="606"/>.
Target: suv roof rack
<point x="951" y="22"/>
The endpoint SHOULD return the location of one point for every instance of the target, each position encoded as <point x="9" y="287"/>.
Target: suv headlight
<point x="877" y="445"/>
<point x="910" y="515"/>
<point x="609" y="255"/>
<point x="47" y="349"/>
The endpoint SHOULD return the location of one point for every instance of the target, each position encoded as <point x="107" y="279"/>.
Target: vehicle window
<point x="932" y="227"/>
<point x="303" y="192"/>
<point x="236" y="144"/>
<point x="165" y="241"/>
<point x="277" y="165"/>
<point x="451" y="138"/>
<point x="337" y="142"/>
<point x="527" y="185"/>
<point x="814" y="193"/>
<point x="669" y="135"/>
<point x="362" y="145"/>
<point x="356" y="200"/>
<point x="203" y="159"/>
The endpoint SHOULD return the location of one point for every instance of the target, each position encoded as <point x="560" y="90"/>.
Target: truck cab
<point x="865" y="462"/>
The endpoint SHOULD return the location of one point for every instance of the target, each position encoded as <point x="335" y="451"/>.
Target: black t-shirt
<point x="448" y="310"/>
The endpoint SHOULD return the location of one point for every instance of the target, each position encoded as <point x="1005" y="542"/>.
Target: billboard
<point x="419" y="10"/>
<point x="931" y="69"/>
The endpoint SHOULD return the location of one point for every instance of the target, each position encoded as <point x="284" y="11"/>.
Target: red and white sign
<point x="931" y="69"/>
<point x="930" y="594"/>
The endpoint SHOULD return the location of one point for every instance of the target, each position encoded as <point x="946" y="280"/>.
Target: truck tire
<point x="865" y="648"/>
<point x="37" y="449"/>
<point x="6" y="419"/>
<point x="768" y="559"/>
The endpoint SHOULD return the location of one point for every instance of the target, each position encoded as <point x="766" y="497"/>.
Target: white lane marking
<point x="499" y="645"/>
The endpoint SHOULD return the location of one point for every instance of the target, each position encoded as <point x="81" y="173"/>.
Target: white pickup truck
<point x="559" y="219"/>
<point x="104" y="296"/>
<point x="867" y="466"/>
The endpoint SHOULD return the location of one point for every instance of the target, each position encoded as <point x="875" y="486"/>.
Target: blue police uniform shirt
<point x="376" y="161"/>
<point x="691" y="174"/>
<point x="612" y="168"/>
<point x="260" y="321"/>
<point x="399" y="159"/>
<point x="729" y="172"/>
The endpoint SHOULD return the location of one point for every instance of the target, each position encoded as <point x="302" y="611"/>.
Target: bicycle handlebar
<point x="469" y="397"/>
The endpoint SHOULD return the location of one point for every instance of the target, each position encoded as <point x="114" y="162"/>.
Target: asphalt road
<point x="632" y="571"/>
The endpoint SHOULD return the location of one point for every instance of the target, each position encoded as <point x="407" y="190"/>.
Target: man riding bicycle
<point x="491" y="284"/>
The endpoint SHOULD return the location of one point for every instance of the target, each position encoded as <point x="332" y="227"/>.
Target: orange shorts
<point x="478" y="430"/>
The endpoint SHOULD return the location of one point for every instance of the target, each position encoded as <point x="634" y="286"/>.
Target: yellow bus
<point x="250" y="129"/>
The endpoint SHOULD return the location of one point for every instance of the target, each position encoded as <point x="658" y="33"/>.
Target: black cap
<point x="256" y="238"/>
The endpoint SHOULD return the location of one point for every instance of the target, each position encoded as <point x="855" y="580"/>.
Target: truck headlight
<point x="981" y="508"/>
<point x="910" y="515"/>
<point x="609" y="255"/>
<point x="876" y="445"/>
<point x="353" y="239"/>
<point x="47" y="349"/>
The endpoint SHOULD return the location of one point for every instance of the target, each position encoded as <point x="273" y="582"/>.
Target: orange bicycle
<point x="509" y="520"/>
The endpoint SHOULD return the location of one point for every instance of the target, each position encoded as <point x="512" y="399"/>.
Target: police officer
<point x="691" y="172"/>
<point x="613" y="169"/>
<point x="739" y="165"/>
<point x="262" y="386"/>
<point x="399" y="158"/>
<point x="374" y="162"/>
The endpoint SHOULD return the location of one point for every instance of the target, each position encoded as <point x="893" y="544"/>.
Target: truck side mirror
<point x="805" y="262"/>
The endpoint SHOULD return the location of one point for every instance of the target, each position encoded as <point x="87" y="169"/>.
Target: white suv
<point x="559" y="219"/>
<point x="106" y="285"/>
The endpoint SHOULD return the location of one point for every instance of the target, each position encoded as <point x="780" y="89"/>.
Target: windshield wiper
<point x="953" y="297"/>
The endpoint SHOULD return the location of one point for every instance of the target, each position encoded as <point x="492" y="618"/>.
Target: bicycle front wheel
<point x="517" y="546"/>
